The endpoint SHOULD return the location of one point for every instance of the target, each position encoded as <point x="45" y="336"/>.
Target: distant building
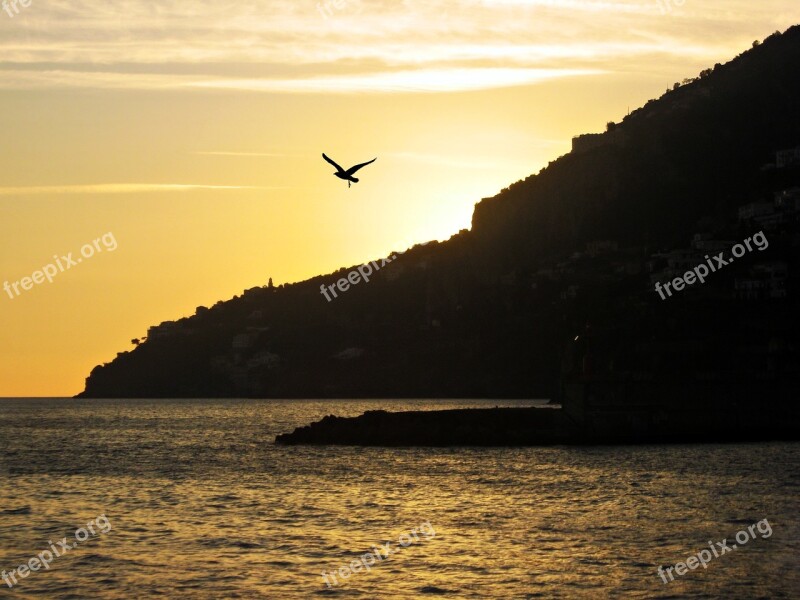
<point x="788" y="200"/>
<point x="705" y="242"/>
<point x="787" y="158"/>
<point x="628" y="267"/>
<point x="395" y="272"/>
<point x="587" y="141"/>
<point x="765" y="281"/>
<point x="508" y="279"/>
<point x="656" y="263"/>
<point x="590" y="141"/>
<point x="264" y="359"/>
<point x="749" y="288"/>
<point x="755" y="209"/>
<point x="565" y="267"/>
<point x="242" y="341"/>
<point x="771" y="221"/>
<point x="164" y="330"/>
<point x="775" y="274"/>
<point x="571" y="292"/>
<point x="349" y="354"/>
<point x="667" y="266"/>
<point x="681" y="261"/>
<point x="601" y="247"/>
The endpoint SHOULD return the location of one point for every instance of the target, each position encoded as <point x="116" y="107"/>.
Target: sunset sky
<point x="192" y="131"/>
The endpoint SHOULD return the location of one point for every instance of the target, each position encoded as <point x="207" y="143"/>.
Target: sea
<point x="192" y="499"/>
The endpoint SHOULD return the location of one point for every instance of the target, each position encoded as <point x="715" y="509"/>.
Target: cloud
<point x="378" y="46"/>
<point x="251" y="154"/>
<point x="419" y="80"/>
<point x="118" y="188"/>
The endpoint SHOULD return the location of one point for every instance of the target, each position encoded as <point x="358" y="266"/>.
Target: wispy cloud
<point x="120" y="188"/>
<point x="419" y="80"/>
<point x="381" y="46"/>
<point x="250" y="154"/>
<point x="412" y="80"/>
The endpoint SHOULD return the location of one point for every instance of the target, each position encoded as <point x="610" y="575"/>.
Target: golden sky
<point x="191" y="132"/>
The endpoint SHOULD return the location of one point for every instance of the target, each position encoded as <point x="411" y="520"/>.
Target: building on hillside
<point x="771" y="222"/>
<point x="755" y="209"/>
<point x="682" y="260"/>
<point x="705" y="242"/>
<point x="749" y="288"/>
<point x="599" y="247"/>
<point x="590" y="141"/>
<point x="788" y="200"/>
<point x="787" y="158"/>
<point x="164" y="330"/>
<point x="764" y="281"/>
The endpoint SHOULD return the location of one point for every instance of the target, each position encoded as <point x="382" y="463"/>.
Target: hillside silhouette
<point x="554" y="279"/>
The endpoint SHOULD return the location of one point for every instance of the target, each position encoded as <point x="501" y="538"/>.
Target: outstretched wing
<point x="338" y="168"/>
<point x="352" y="170"/>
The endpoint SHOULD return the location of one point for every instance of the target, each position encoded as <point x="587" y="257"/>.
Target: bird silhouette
<point x="348" y="174"/>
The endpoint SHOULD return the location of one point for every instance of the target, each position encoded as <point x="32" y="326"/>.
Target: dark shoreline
<point x="512" y="427"/>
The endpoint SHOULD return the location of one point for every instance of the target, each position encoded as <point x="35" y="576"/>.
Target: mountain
<point x="555" y="279"/>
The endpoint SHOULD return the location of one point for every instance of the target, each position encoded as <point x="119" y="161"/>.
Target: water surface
<point x="203" y="505"/>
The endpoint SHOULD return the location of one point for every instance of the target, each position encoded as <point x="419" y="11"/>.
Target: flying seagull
<point x="348" y="174"/>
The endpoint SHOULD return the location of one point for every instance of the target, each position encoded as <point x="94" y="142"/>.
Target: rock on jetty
<point x="462" y="427"/>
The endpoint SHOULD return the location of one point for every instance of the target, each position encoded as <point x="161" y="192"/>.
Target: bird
<point x="348" y="174"/>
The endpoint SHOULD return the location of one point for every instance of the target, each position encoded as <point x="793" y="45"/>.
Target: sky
<point x="167" y="155"/>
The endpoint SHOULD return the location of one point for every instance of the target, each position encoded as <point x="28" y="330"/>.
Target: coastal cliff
<point x="503" y="310"/>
